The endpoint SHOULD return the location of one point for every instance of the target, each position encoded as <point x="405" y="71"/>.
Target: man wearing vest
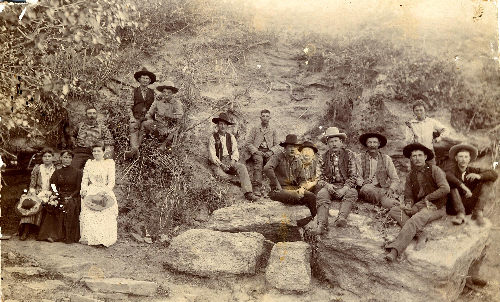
<point x="425" y="199"/>
<point x="138" y="106"/>
<point x="338" y="181"/>
<point x="380" y="179"/>
<point x="310" y="165"/>
<point x="223" y="156"/>
<point x="287" y="177"/>
<point x="88" y="133"/>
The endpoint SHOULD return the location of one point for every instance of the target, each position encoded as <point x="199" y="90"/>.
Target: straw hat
<point x="98" y="202"/>
<point x="29" y="205"/>
<point x="167" y="85"/>
<point x="463" y="147"/>
<point x="333" y="132"/>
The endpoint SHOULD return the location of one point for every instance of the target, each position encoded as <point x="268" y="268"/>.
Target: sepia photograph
<point x="249" y="150"/>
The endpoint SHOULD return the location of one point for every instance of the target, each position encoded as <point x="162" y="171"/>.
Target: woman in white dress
<point x="98" y="227"/>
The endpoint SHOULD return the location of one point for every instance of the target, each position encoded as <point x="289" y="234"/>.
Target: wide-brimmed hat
<point x="98" y="202"/>
<point x="167" y="85"/>
<point x="461" y="147"/>
<point x="333" y="132"/>
<point x="364" y="137"/>
<point x="407" y="150"/>
<point x="308" y="144"/>
<point x="291" y="139"/>
<point x="29" y="205"/>
<point x="222" y="117"/>
<point x="144" y="71"/>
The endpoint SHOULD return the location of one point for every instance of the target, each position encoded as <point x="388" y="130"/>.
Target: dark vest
<point x="218" y="145"/>
<point x="381" y="172"/>
<point x="141" y="105"/>
<point x="343" y="165"/>
<point x="429" y="185"/>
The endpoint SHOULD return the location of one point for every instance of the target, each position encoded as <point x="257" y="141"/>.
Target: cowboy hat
<point x="407" y="150"/>
<point x="144" y="71"/>
<point x="332" y="132"/>
<point x="291" y="139"/>
<point x="99" y="201"/>
<point x="463" y="147"/>
<point x="222" y="117"/>
<point x="29" y="205"/>
<point x="308" y="144"/>
<point x="167" y="85"/>
<point x="364" y="137"/>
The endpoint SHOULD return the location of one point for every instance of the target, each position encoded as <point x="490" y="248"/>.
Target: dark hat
<point x="416" y="146"/>
<point x="222" y="117"/>
<point x="144" y="71"/>
<point x="167" y="85"/>
<point x="29" y="205"/>
<point x="364" y="137"/>
<point x="461" y="147"/>
<point x="98" y="202"/>
<point x="291" y="139"/>
<point x="308" y="144"/>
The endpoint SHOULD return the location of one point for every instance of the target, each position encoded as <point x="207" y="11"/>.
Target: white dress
<point x="98" y="227"/>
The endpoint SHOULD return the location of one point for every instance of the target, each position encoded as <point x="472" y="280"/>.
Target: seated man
<point x="87" y="133"/>
<point x="287" y="178"/>
<point x="311" y="166"/>
<point x="261" y="144"/>
<point x="380" y="179"/>
<point x="466" y="183"/>
<point x="163" y="116"/>
<point x="338" y="180"/>
<point x="223" y="155"/>
<point x="425" y="197"/>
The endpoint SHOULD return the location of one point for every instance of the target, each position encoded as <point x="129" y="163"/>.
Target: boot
<point x="133" y="153"/>
<point x="322" y="221"/>
<point x="251" y="197"/>
<point x="345" y="209"/>
<point x="134" y="146"/>
<point x="25" y="232"/>
<point x="459" y="219"/>
<point x="474" y="278"/>
<point x="478" y="216"/>
<point x="392" y="255"/>
<point x="421" y="240"/>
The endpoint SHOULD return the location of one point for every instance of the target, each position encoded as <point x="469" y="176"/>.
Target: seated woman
<point x="98" y="220"/>
<point x="30" y="205"/>
<point x="61" y="222"/>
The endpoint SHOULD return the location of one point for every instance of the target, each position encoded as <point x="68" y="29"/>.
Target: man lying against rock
<point x="466" y="184"/>
<point x="338" y="180"/>
<point x="287" y="177"/>
<point x="380" y="179"/>
<point x="425" y="198"/>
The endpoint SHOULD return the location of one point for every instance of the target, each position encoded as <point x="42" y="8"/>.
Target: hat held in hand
<point x="98" y="202"/>
<point x="29" y="205"/>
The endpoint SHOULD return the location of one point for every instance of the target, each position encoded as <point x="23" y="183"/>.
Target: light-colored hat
<point x="29" y="205"/>
<point x="461" y="147"/>
<point x="167" y="85"/>
<point x="98" y="202"/>
<point x="333" y="132"/>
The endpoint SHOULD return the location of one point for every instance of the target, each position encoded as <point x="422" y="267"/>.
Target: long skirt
<point x="52" y="224"/>
<point x="71" y="220"/>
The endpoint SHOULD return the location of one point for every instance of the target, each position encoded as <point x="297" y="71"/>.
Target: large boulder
<point x="352" y="258"/>
<point x="289" y="266"/>
<point x="273" y="219"/>
<point x="204" y="252"/>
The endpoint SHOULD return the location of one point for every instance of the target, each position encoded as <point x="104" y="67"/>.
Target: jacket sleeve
<point x="393" y="174"/>
<point x="236" y="154"/>
<point x="443" y="186"/>
<point x="271" y="164"/>
<point x="351" y="170"/>
<point x="275" y="147"/>
<point x="359" y="170"/>
<point x="178" y="110"/>
<point x="212" y="156"/>
<point x="439" y="128"/>
<point x="250" y="140"/>
<point x="486" y="175"/>
<point x="34" y="178"/>
<point x="106" y="136"/>
<point x="408" y="194"/>
<point x="130" y="105"/>
<point x="452" y="179"/>
<point x="85" y="179"/>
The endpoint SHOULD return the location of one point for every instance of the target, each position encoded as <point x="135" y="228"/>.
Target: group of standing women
<point x="70" y="205"/>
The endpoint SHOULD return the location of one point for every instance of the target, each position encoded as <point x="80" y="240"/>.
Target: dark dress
<point x="62" y="224"/>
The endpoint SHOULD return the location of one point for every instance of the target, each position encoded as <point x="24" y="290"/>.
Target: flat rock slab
<point x="289" y="266"/>
<point x="122" y="285"/>
<point x="79" y="298"/>
<point x="273" y="219"/>
<point x="204" y="252"/>
<point x="48" y="285"/>
<point x="352" y="258"/>
<point x="26" y="271"/>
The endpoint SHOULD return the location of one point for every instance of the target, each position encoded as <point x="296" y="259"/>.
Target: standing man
<point x="88" y="133"/>
<point x="164" y="115"/>
<point x="422" y="129"/>
<point x="466" y="184"/>
<point x="425" y="197"/>
<point x="380" y="179"/>
<point x="262" y="143"/>
<point x="223" y="155"/>
<point x="287" y="177"/>
<point x="338" y="180"/>
<point x="138" y="105"/>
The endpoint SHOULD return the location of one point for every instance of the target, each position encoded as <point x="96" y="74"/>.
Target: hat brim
<point x="31" y="211"/>
<point x="97" y="207"/>
<point x="140" y="73"/>
<point x="161" y="88"/>
<point x="364" y="137"/>
<point x="308" y="146"/>
<point x="324" y="140"/>
<point x="407" y="150"/>
<point x="216" y="120"/>
<point x="284" y="144"/>
<point x="460" y="147"/>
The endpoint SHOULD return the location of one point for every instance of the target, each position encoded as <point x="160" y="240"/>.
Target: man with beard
<point x="380" y="179"/>
<point x="87" y="133"/>
<point x="425" y="198"/>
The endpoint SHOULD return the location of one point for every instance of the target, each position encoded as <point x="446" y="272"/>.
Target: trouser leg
<point x="476" y="202"/>
<point x="134" y="127"/>
<point x="246" y="184"/>
<point x="309" y="200"/>
<point x="219" y="172"/>
<point x="347" y="201"/>
<point x="376" y="195"/>
<point x="258" y="162"/>
<point x="456" y="201"/>
<point x="323" y="202"/>
<point x="399" y="215"/>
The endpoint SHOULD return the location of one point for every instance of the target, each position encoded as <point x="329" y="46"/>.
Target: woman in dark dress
<point x="63" y="223"/>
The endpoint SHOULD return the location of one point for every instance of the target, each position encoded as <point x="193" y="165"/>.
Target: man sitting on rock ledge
<point x="287" y="177"/>
<point x="425" y="197"/>
<point x="466" y="184"/>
